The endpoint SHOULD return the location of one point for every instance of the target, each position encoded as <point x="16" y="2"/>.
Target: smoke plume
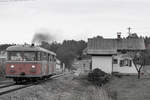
<point x="41" y="36"/>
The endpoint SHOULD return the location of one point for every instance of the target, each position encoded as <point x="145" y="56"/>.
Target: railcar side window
<point x="50" y="57"/>
<point x="22" y="56"/>
<point x="54" y="58"/>
<point x="44" y="56"/>
<point x="38" y="56"/>
<point x="15" y="56"/>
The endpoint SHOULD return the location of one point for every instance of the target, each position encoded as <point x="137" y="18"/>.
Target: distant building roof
<point x="110" y="46"/>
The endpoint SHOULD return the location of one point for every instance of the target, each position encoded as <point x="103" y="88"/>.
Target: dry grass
<point x="67" y="88"/>
<point x="130" y="88"/>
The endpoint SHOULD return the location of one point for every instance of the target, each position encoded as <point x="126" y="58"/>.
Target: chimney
<point x="118" y="35"/>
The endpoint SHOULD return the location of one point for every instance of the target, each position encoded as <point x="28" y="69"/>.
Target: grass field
<point x="130" y="88"/>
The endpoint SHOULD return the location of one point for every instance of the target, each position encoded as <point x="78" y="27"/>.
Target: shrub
<point x="98" y="77"/>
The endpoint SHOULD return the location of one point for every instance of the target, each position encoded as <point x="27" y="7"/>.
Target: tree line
<point x="69" y="50"/>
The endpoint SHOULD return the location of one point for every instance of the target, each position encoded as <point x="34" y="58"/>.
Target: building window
<point x="125" y="62"/>
<point x="115" y="61"/>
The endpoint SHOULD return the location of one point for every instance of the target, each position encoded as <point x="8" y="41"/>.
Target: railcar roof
<point x="28" y="48"/>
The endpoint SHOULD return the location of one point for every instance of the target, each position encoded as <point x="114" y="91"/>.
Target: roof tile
<point x="110" y="46"/>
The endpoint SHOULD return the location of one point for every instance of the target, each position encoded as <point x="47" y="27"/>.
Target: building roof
<point x="110" y="46"/>
<point x="28" y="48"/>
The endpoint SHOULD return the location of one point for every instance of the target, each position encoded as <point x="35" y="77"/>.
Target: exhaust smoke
<point x="42" y="36"/>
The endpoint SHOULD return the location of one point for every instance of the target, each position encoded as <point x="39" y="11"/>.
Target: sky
<point x="72" y="19"/>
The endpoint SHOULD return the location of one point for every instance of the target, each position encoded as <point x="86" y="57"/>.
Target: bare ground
<point x="65" y="88"/>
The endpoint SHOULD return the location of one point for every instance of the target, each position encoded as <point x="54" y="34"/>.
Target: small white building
<point x="114" y="55"/>
<point x="58" y="64"/>
<point x="60" y="67"/>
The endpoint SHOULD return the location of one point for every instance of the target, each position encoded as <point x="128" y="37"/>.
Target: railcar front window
<point x="22" y="56"/>
<point x="29" y="56"/>
<point x="15" y="56"/>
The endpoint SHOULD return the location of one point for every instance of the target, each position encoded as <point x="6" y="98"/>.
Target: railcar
<point x="29" y="63"/>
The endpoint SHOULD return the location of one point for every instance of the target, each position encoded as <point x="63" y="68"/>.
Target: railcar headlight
<point x="33" y="66"/>
<point x="12" y="66"/>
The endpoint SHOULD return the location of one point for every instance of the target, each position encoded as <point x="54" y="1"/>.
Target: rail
<point x="13" y="87"/>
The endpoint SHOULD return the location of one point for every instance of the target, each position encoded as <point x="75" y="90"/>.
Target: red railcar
<point x="25" y="62"/>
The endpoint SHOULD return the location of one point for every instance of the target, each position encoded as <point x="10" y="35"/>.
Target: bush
<point x="98" y="77"/>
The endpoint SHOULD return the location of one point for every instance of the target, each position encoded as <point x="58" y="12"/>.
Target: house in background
<point x="60" y="67"/>
<point x="114" y="55"/>
<point x="82" y="66"/>
<point x="3" y="57"/>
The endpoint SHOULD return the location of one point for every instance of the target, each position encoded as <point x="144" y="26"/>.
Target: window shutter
<point x="121" y="63"/>
<point x="130" y="63"/>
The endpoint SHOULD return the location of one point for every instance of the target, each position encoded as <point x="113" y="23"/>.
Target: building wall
<point x="124" y="69"/>
<point x="82" y="66"/>
<point x="102" y="62"/>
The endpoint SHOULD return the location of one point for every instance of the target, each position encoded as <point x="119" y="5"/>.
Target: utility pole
<point x="129" y="30"/>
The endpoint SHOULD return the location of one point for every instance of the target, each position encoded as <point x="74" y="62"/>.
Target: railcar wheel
<point x="18" y="81"/>
<point x="33" y="80"/>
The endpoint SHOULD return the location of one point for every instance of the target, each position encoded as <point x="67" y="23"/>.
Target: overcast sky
<point x="72" y="19"/>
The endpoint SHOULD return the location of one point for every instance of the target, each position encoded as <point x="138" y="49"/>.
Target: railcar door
<point x="52" y="64"/>
<point x="44" y="58"/>
<point x="48" y="65"/>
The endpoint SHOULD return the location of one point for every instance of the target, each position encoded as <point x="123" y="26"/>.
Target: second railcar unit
<point x="25" y="62"/>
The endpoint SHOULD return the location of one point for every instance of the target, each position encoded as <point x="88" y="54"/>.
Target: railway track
<point x="7" y="85"/>
<point x="13" y="87"/>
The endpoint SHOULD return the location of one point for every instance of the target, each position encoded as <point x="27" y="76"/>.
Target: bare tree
<point x="138" y="61"/>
